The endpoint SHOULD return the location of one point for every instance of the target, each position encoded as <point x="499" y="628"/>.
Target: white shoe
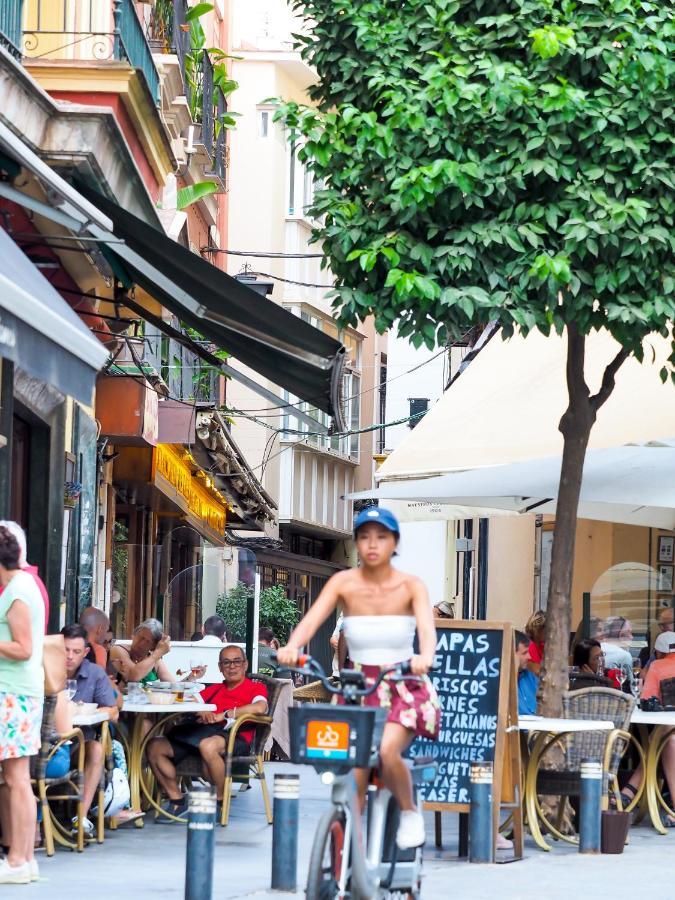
<point x="14" y="874"/>
<point x="34" y="870"/>
<point x="87" y="826"/>
<point x="410" y="830"/>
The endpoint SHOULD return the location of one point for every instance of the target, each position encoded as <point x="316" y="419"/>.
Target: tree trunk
<point x="575" y="425"/>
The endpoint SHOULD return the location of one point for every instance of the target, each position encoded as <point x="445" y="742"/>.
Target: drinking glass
<point x="622" y="674"/>
<point x="135" y="693"/>
<point x="71" y="688"/>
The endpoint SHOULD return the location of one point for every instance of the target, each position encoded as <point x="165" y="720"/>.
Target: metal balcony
<point x="86" y="30"/>
<point x="11" y="14"/>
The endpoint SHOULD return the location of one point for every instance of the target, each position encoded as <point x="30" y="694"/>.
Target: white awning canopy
<point x="631" y="484"/>
<point x="506" y="405"/>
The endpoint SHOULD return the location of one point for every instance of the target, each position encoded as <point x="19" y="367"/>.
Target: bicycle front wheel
<point x="325" y="863"/>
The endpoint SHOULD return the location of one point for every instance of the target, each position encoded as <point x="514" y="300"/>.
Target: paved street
<point x="151" y="863"/>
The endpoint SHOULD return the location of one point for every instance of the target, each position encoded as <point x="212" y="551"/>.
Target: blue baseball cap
<point x="381" y="516"/>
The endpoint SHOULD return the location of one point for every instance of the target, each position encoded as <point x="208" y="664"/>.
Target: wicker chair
<point x="71" y="784"/>
<point x="604" y="704"/>
<point x="314" y="692"/>
<point x="253" y="762"/>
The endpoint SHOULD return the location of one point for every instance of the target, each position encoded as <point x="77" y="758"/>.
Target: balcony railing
<point x="11" y="14"/>
<point x="220" y="155"/>
<point x="206" y="111"/>
<point x="81" y="30"/>
<point x="167" y="30"/>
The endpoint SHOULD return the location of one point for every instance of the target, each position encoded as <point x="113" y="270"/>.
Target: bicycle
<point x="335" y="740"/>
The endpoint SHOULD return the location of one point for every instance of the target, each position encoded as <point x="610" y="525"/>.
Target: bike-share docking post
<point x="285" y="832"/>
<point x="481" y="842"/>
<point x="200" y="844"/>
<point x="590" y="802"/>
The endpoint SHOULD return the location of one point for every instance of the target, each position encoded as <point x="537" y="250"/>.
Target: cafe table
<point x="653" y="745"/>
<point x="547" y="730"/>
<point x="150" y="720"/>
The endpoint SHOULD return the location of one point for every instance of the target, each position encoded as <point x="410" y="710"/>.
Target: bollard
<point x="481" y="842"/>
<point x="590" y="813"/>
<point x="200" y="844"/>
<point x="285" y="832"/>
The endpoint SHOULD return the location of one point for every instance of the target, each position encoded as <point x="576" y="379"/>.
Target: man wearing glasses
<point x="235" y="697"/>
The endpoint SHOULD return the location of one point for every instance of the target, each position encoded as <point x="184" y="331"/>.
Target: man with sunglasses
<point x="234" y="697"/>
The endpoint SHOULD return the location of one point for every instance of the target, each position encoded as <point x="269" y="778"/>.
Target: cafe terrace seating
<point x="607" y="746"/>
<point x="67" y="789"/>
<point x="253" y="762"/>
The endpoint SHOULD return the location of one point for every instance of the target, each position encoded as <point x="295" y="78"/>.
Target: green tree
<point x="277" y="611"/>
<point x="493" y="161"/>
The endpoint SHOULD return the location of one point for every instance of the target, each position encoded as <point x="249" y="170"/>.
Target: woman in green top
<point x="142" y="661"/>
<point x="22" y="626"/>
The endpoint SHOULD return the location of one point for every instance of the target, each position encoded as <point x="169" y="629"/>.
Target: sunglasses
<point x="227" y="663"/>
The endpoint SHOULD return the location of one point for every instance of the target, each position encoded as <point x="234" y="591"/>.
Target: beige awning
<point x="505" y="407"/>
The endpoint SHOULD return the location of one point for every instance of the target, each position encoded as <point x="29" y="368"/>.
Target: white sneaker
<point x="14" y="874"/>
<point x="410" y="830"/>
<point x="87" y="826"/>
<point x="34" y="870"/>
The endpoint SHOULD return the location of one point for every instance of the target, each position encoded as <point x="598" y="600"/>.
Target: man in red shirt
<point x="235" y="697"/>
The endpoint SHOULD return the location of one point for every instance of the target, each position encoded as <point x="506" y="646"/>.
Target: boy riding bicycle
<point x="382" y="609"/>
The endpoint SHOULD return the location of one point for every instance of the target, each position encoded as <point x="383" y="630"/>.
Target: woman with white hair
<point x="21" y="698"/>
<point x="20" y="535"/>
<point x="142" y="661"/>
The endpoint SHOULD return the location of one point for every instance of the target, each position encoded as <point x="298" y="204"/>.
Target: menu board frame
<point x="507" y="777"/>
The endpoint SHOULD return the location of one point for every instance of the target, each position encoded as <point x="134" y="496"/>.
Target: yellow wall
<point x="511" y="546"/>
<point x="599" y="546"/>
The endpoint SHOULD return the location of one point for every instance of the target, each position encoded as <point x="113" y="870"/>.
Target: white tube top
<point x="379" y="640"/>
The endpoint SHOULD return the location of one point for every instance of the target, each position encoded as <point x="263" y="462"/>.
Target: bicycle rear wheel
<point x="325" y="863"/>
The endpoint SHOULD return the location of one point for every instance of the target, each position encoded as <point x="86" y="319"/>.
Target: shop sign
<point x="202" y="499"/>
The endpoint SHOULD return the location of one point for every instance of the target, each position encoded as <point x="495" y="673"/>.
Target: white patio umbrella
<point x="630" y="484"/>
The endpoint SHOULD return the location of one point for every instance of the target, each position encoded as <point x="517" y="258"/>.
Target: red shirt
<point x="659" y="669"/>
<point x="536" y="652"/>
<point x="33" y="570"/>
<point x="225" y="698"/>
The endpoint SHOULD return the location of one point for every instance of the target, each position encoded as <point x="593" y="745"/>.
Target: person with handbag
<point x="22" y="625"/>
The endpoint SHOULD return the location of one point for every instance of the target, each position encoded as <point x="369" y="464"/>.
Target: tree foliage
<point x="486" y="160"/>
<point x="277" y="611"/>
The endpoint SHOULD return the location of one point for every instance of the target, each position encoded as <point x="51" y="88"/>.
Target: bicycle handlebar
<point x="310" y="666"/>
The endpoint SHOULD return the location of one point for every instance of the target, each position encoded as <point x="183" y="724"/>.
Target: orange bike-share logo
<point x="327" y="740"/>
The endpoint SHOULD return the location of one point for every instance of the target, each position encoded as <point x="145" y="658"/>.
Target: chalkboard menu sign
<point x="475" y="676"/>
<point x="467" y="677"/>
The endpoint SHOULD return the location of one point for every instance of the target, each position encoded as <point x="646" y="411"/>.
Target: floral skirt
<point x="20" y="723"/>
<point x="411" y="703"/>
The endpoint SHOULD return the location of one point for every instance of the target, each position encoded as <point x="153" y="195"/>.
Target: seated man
<point x="93" y="686"/>
<point x="528" y="683"/>
<point x="267" y="661"/>
<point x="214" y="632"/>
<point x="235" y="697"/>
<point x="96" y="624"/>
<point x="663" y="667"/>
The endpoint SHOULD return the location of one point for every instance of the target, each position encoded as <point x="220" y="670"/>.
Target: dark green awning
<point x="256" y="331"/>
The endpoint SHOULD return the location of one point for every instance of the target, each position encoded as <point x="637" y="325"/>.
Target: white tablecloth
<point x="559" y="726"/>
<point x="92" y="719"/>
